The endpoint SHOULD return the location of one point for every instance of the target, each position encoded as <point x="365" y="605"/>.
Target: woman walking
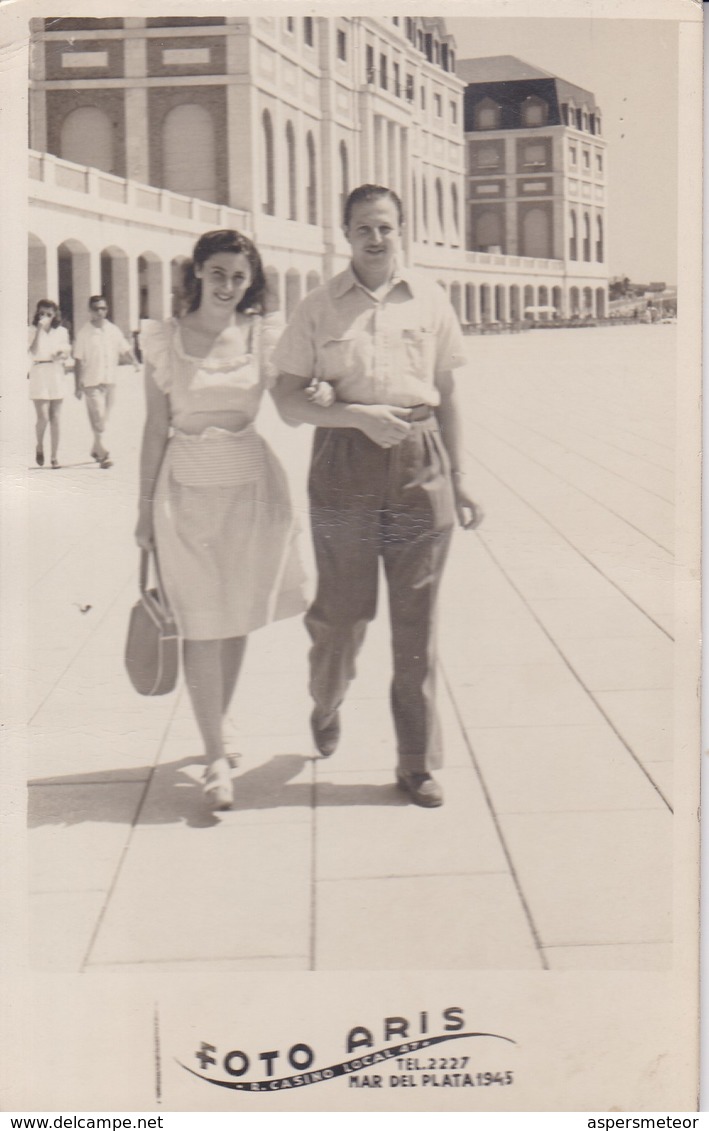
<point x="214" y="500"/>
<point x="49" y="348"/>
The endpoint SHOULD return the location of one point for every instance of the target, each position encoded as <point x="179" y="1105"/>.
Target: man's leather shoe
<point x="326" y="731"/>
<point x="421" y="788"/>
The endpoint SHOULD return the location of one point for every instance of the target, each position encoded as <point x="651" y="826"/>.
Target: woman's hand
<point x="470" y="514"/>
<point x="144" y="534"/>
<point x="386" y="425"/>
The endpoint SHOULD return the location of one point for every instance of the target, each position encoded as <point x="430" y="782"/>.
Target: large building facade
<point x="537" y="192"/>
<point x="145" y="132"/>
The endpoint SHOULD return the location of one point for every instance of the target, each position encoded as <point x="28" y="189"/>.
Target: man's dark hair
<point x="371" y="192"/>
<point x="96" y="299"/>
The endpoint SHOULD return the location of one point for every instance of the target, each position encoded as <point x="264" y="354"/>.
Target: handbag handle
<point x="145" y="556"/>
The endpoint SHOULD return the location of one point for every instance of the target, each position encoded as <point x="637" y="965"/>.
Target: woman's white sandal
<point x="218" y="788"/>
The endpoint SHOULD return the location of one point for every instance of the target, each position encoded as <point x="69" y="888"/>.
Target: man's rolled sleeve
<point x="295" y="352"/>
<point x="450" y="347"/>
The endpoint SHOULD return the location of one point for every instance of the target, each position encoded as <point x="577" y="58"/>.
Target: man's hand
<point x="144" y="535"/>
<point x="470" y="514"/>
<point x="384" y="424"/>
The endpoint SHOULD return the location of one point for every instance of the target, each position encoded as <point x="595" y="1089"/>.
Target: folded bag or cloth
<point x="152" y="647"/>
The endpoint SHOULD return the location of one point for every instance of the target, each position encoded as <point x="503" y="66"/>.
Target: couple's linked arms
<point x="386" y="425"/>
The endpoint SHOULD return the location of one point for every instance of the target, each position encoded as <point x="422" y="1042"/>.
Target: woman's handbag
<point x="152" y="647"/>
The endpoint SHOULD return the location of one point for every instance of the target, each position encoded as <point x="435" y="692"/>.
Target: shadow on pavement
<point x="173" y="794"/>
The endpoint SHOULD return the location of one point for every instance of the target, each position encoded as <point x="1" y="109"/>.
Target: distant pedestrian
<point x="214" y="500"/>
<point x="386" y="477"/>
<point x="49" y="348"/>
<point x="99" y="349"/>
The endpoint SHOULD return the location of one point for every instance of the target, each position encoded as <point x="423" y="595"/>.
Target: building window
<point x="535" y="111"/>
<point x="423" y="97"/>
<point x="410" y="93"/>
<point x="440" y="237"/>
<point x="438" y="104"/>
<point x="488" y="232"/>
<point x="428" y="46"/>
<point x="572" y="155"/>
<point x="292" y="173"/>
<point x="419" y="40"/>
<point x="534" y="156"/>
<point x="341" y="44"/>
<point x="369" y="63"/>
<point x="414" y="207"/>
<point x="308" y="30"/>
<point x="585" y="120"/>
<point x="455" y="213"/>
<point x="424" y="208"/>
<point x="488" y="158"/>
<point x="395" y="21"/>
<point x="397" y="80"/>
<point x="290" y="25"/>
<point x="344" y="176"/>
<point x="586" y="238"/>
<point x="444" y="57"/>
<point x="454" y="112"/>
<point x="573" y="237"/>
<point x="451" y="59"/>
<point x="599" y="162"/>
<point x="436" y="51"/>
<point x="535" y="234"/>
<point x="579" y="120"/>
<point x="268" y="204"/>
<point x="599" y="239"/>
<point x="383" y="78"/>
<point x="87" y="138"/>
<point x="586" y="159"/>
<point x="598" y="124"/>
<point x="312" y="188"/>
<point x="409" y="26"/>
<point x="565" y="113"/>
<point x="487" y="115"/>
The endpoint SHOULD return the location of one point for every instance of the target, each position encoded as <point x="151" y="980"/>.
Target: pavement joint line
<point x="127" y="843"/>
<point x="578" y="679"/>
<point x="74" y="656"/>
<point x="212" y="958"/>
<point x="90" y="537"/>
<point x="413" y="876"/>
<point x="617" y="942"/>
<point x="574" y="487"/>
<point x="593" y="436"/>
<point x="579" y="455"/>
<point x="313" y="918"/>
<point x="573" y="546"/>
<point x="498" y="828"/>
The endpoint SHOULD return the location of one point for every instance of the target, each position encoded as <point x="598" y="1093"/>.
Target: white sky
<point x="631" y="67"/>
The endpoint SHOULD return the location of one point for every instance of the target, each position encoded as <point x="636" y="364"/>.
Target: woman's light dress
<point x="224" y="527"/>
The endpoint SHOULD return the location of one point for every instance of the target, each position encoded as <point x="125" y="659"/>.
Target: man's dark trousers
<point x="368" y="502"/>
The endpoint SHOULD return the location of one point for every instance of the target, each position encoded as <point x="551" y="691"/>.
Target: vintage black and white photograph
<point x="359" y="642"/>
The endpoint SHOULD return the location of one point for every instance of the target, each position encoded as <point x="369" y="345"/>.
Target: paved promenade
<point x="553" y="847"/>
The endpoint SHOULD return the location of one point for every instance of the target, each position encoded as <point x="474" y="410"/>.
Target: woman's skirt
<point x="226" y="536"/>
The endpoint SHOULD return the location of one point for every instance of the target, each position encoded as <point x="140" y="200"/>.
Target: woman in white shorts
<point x="49" y="348"/>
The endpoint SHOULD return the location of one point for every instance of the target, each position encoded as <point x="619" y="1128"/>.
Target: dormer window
<point x="488" y="115"/>
<point x="535" y="111"/>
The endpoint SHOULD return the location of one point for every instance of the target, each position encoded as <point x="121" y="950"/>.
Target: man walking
<point x="386" y="477"/>
<point x="98" y="351"/>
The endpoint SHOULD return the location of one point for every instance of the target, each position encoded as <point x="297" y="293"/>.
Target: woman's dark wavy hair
<point x="212" y="243"/>
<point x="47" y="304"/>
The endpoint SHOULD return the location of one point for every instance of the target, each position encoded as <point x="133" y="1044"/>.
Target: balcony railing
<point x="132" y="195"/>
<point x="516" y="262"/>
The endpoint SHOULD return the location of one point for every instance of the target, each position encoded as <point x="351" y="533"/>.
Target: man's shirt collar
<point x="345" y="281"/>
